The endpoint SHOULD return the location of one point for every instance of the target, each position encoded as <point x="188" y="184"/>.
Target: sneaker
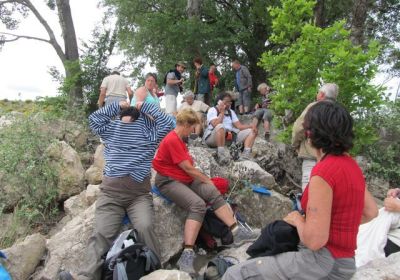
<point x="246" y="156"/>
<point x="266" y="136"/>
<point x="243" y="235"/>
<point x="223" y="158"/>
<point x="65" y="275"/>
<point x="185" y="262"/>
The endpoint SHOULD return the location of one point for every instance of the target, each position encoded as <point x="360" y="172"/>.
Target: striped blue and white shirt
<point x="130" y="147"/>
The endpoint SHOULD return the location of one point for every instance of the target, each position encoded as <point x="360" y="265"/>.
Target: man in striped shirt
<point x="130" y="143"/>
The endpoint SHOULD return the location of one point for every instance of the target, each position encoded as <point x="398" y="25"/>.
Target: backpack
<point x="129" y="259"/>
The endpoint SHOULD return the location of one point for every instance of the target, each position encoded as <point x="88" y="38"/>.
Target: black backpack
<point x="129" y="259"/>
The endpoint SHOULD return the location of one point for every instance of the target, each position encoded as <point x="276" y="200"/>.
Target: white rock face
<point x="385" y="268"/>
<point x="23" y="257"/>
<point x="94" y="175"/>
<point x="167" y="275"/>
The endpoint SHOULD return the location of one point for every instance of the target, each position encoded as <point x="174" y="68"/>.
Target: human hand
<point x="182" y="80"/>
<point x="257" y="106"/>
<point x="294" y="218"/>
<point x="393" y="192"/>
<point x="123" y="104"/>
<point x="392" y="204"/>
<point x="139" y="104"/>
<point x="221" y="106"/>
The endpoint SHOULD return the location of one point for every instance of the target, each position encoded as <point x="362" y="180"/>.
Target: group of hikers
<point x="139" y="136"/>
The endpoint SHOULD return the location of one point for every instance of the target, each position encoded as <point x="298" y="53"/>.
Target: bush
<point x="28" y="172"/>
<point x="384" y="155"/>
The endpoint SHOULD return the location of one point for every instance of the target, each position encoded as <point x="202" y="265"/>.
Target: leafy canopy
<point x="309" y="56"/>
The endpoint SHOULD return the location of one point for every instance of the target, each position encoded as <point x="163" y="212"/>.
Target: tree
<point x="69" y="56"/>
<point x="310" y="55"/>
<point x="219" y="30"/>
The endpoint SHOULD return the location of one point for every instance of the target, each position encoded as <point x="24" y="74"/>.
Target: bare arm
<point x="314" y="229"/>
<point x="130" y="92"/>
<point x="174" y="82"/>
<point x="102" y="97"/>
<point x="194" y="172"/>
<point x="140" y="94"/>
<point x="370" y="210"/>
<point x="220" y="118"/>
<point x="241" y="126"/>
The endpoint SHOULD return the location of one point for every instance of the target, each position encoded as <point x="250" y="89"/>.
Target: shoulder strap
<point x="121" y="272"/>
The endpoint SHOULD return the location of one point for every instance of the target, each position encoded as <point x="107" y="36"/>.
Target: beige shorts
<point x="211" y="140"/>
<point x="170" y="104"/>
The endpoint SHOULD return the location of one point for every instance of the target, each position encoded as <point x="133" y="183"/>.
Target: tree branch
<point x="17" y="37"/>
<point x="52" y="41"/>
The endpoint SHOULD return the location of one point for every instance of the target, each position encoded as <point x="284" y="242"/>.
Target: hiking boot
<point x="243" y="235"/>
<point x="246" y="156"/>
<point x="223" y="157"/>
<point x="266" y="136"/>
<point x="65" y="275"/>
<point x="185" y="262"/>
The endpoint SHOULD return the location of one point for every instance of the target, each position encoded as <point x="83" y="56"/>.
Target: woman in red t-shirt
<point x="180" y="181"/>
<point x="335" y="202"/>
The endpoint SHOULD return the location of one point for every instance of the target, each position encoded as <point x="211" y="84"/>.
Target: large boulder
<point x="168" y="225"/>
<point x="252" y="172"/>
<point x="384" y="268"/>
<point x="23" y="257"/>
<point x="378" y="187"/>
<point x="66" y="249"/>
<point x="69" y="167"/>
<point x="205" y="161"/>
<point x="94" y="175"/>
<point x="163" y="274"/>
<point x="260" y="210"/>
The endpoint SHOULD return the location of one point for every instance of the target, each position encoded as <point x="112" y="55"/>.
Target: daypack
<point x="217" y="267"/>
<point x="4" y="275"/>
<point x="129" y="259"/>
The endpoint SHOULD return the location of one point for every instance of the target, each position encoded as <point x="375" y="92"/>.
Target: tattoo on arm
<point x="312" y="209"/>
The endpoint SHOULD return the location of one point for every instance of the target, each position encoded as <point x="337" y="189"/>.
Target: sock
<point x="247" y="150"/>
<point x="188" y="248"/>
<point x="220" y="150"/>
<point x="234" y="228"/>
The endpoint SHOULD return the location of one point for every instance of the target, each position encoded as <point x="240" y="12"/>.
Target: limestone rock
<point x="23" y="257"/>
<point x="163" y="274"/>
<point x="91" y="194"/>
<point x="249" y="170"/>
<point x="260" y="210"/>
<point x="204" y="160"/>
<point x="69" y="167"/>
<point x="168" y="225"/>
<point x="385" y="268"/>
<point x="75" y="205"/>
<point x="378" y="187"/>
<point x="66" y="249"/>
<point x="237" y="253"/>
<point x="94" y="175"/>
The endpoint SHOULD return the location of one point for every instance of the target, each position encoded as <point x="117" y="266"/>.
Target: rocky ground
<point x="275" y="167"/>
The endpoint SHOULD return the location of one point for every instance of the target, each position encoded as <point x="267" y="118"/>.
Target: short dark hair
<point x="222" y="95"/>
<point x="133" y="112"/>
<point x="329" y="127"/>
<point x="198" y="60"/>
<point x="115" y="72"/>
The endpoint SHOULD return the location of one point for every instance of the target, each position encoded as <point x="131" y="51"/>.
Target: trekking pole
<point x="230" y="193"/>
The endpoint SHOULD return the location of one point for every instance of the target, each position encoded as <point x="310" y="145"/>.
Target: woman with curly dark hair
<point x="335" y="202"/>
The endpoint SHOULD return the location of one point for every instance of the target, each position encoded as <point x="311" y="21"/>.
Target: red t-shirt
<point x="171" y="152"/>
<point x="346" y="179"/>
<point x="213" y="80"/>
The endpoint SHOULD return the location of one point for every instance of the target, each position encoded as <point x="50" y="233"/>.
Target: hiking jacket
<point x="203" y="81"/>
<point x="299" y="141"/>
<point x="277" y="237"/>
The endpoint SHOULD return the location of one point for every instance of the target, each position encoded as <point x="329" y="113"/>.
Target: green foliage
<point x="162" y="32"/>
<point x="319" y="55"/>
<point x="384" y="155"/>
<point x="28" y="172"/>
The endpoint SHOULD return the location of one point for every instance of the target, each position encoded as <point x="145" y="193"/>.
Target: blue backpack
<point x="4" y="275"/>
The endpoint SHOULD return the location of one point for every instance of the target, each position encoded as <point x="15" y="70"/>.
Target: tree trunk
<point x="193" y="8"/>
<point x="319" y="13"/>
<point x="359" y="16"/>
<point x="72" y="66"/>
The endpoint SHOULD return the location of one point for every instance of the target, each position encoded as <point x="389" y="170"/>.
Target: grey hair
<point x="189" y="93"/>
<point x="261" y="86"/>
<point x="330" y="90"/>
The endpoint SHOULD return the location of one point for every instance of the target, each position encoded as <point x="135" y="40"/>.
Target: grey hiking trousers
<point x="302" y="265"/>
<point x="117" y="197"/>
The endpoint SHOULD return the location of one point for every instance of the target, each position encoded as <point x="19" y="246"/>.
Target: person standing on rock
<point x="202" y="83"/>
<point x="243" y="84"/>
<point x="113" y="89"/>
<point x="173" y="86"/>
<point x="263" y="113"/>
<point x="148" y="92"/>
<point x="335" y="203"/>
<point x="328" y="91"/>
<point x="130" y="144"/>
<point x="181" y="182"/>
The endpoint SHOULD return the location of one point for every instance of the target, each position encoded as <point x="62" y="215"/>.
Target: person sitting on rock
<point x="222" y="123"/>
<point x="263" y="113"/>
<point x="130" y="144"/>
<point x="335" y="202"/>
<point x="181" y="182"/>
<point x="199" y="107"/>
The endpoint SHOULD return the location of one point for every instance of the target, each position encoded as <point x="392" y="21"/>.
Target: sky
<point x="25" y="64"/>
